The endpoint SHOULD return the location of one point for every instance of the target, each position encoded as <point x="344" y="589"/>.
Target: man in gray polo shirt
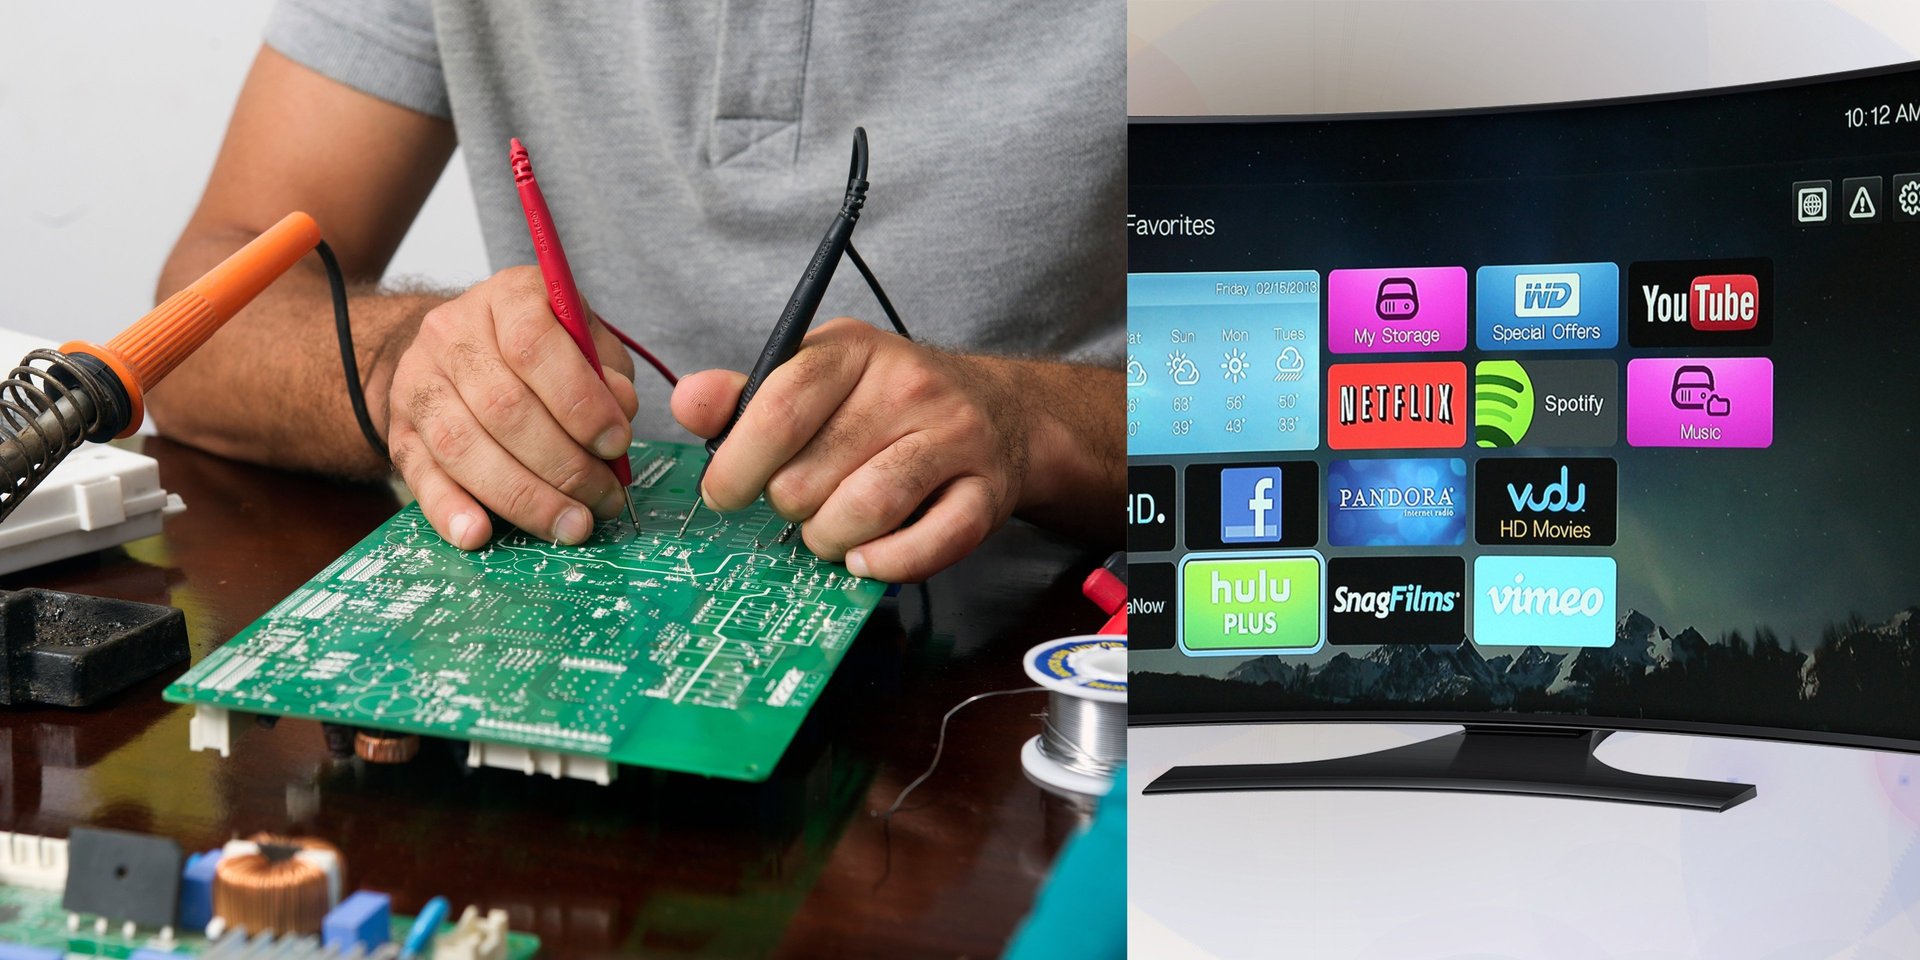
<point x="692" y="152"/>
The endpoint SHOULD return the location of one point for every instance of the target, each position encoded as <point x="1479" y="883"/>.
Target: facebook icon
<point x="1249" y="505"/>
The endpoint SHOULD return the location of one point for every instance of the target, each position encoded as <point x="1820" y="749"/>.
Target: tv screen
<point x="1600" y="415"/>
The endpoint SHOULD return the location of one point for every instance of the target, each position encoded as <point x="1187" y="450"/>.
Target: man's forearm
<point x="268" y="388"/>
<point x="1076" y="478"/>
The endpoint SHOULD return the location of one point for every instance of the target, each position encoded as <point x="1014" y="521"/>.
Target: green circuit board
<point x="699" y="652"/>
<point x="34" y="918"/>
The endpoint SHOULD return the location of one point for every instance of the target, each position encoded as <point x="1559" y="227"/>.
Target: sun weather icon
<point x="1185" y="372"/>
<point x="1235" y="365"/>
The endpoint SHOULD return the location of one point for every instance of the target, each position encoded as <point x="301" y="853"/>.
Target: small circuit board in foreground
<point x="35" y="919"/>
<point x="699" y="652"/>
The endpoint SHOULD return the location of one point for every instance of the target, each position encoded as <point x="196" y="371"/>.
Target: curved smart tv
<point x="1548" y="422"/>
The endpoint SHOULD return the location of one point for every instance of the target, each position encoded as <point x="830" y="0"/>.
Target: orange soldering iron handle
<point x="144" y="353"/>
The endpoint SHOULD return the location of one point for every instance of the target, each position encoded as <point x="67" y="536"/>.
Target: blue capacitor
<point x="425" y="926"/>
<point x="196" y="890"/>
<point x="366" y="918"/>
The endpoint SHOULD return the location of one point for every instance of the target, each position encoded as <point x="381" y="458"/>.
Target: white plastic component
<point x="210" y="729"/>
<point x="474" y="937"/>
<point x="29" y="861"/>
<point x="98" y="497"/>
<point x="531" y="761"/>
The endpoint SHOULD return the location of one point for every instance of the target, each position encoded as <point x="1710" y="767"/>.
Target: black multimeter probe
<point x="794" y="321"/>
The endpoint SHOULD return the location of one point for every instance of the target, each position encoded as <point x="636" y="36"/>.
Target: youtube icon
<point x="1700" y="303"/>
<point x="1726" y="301"/>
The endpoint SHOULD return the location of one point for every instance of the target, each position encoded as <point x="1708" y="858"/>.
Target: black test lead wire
<point x="798" y="316"/>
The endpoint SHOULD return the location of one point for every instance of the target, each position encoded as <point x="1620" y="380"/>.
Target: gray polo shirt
<point x="694" y="151"/>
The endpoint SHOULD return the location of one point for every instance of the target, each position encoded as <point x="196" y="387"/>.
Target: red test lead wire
<point x="562" y="295"/>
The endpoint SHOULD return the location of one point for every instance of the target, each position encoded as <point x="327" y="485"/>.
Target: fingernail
<point x="457" y="529"/>
<point x="611" y="504"/>
<point x="857" y="564"/>
<point x="574" y="526"/>
<point x="611" y="443"/>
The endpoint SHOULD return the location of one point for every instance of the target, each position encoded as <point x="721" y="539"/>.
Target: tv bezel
<point x="1569" y="722"/>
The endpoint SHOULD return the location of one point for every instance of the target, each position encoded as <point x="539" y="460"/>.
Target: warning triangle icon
<point x="1862" y="208"/>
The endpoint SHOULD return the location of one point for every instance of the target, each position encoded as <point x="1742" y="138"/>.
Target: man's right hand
<point x="493" y="406"/>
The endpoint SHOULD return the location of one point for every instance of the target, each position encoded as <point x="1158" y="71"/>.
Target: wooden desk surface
<point x="656" y="864"/>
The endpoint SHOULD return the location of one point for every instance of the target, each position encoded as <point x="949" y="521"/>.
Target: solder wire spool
<point x="1083" y="734"/>
<point x="276" y="884"/>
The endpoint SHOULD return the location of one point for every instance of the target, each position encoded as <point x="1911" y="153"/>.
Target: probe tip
<point x="690" y="512"/>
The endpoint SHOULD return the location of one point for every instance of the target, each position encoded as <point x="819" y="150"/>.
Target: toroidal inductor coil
<point x="385" y="748"/>
<point x="279" y="884"/>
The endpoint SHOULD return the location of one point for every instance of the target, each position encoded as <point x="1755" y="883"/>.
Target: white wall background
<point x="1339" y="56"/>
<point x="110" y="116"/>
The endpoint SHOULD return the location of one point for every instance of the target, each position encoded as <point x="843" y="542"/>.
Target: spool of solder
<point x="1083" y="734"/>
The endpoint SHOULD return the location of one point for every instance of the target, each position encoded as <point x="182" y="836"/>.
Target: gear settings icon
<point x="1909" y="198"/>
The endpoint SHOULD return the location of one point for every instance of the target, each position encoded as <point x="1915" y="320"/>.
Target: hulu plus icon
<point x="1236" y="605"/>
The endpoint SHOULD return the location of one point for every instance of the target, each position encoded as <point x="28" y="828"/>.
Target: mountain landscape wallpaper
<point x="1855" y="679"/>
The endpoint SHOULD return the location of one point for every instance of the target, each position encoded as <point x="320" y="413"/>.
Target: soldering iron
<point x="57" y="399"/>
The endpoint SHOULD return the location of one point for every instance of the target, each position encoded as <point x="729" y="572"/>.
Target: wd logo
<point x="1546" y="295"/>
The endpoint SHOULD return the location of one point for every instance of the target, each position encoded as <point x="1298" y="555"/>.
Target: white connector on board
<point x="474" y="937"/>
<point x="210" y="729"/>
<point x="39" y="863"/>
<point x="529" y="761"/>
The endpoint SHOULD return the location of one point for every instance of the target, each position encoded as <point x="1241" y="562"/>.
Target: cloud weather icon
<point x="1136" y="372"/>
<point x="1291" y="366"/>
<point x="1185" y="372"/>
